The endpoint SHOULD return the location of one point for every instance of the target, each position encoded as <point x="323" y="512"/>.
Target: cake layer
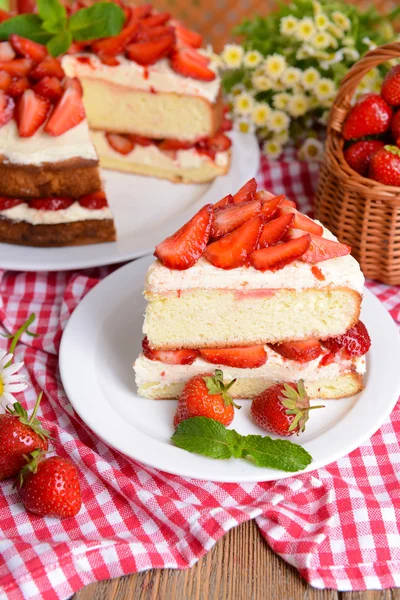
<point x="221" y="318"/>
<point x="72" y="214"/>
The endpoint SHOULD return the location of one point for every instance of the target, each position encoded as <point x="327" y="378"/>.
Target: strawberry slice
<point x="197" y="57"/>
<point x="247" y="192"/>
<point x="7" y="105"/>
<point x="120" y="143"/>
<point x="270" y="206"/>
<point x="28" y="48"/>
<point x="6" y="52"/>
<point x="94" y="201"/>
<point x="290" y="203"/>
<point x="322" y="249"/>
<point x="141" y="12"/>
<point x="355" y="341"/>
<point x="6" y="203"/>
<point x="5" y="80"/>
<point x="18" y="86"/>
<point x="109" y="60"/>
<point x="233" y="216"/>
<point x="68" y="111"/>
<point x="4" y="15"/>
<point x="223" y="202"/>
<point x="302" y="221"/>
<point x="184" y="356"/>
<point x="31" y="112"/>
<point x="17" y="67"/>
<point x="146" y="34"/>
<point x="277" y="257"/>
<point x="187" y="37"/>
<point x="302" y="351"/>
<point x="327" y="359"/>
<point x="111" y="46"/>
<point x="183" y="249"/>
<point x="139" y="139"/>
<point x="233" y="249"/>
<point x="175" y="145"/>
<point x="274" y="230"/>
<point x="211" y="146"/>
<point x="183" y="63"/>
<point x="49" y="87"/>
<point x="51" y="203"/>
<point x="226" y="124"/>
<point x="48" y="67"/>
<point x="247" y="357"/>
<point x="155" y="20"/>
<point x="147" y="53"/>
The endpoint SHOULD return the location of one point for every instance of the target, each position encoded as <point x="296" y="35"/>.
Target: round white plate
<point x="103" y="338"/>
<point x="146" y="210"/>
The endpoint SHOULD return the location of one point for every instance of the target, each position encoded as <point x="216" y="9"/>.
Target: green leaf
<point x="28" y="25"/>
<point x="103" y="19"/>
<point x="235" y="443"/>
<point x="52" y="10"/>
<point x="276" y="454"/>
<point x="60" y="43"/>
<point x="202" y="436"/>
<point x="52" y="26"/>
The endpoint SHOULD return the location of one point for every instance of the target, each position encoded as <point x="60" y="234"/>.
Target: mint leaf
<point x="54" y="27"/>
<point x="60" y="43"/>
<point x="52" y="10"/>
<point x="103" y="19"/>
<point x="202" y="436"/>
<point x="275" y="454"/>
<point x="27" y="25"/>
<point x="235" y="443"/>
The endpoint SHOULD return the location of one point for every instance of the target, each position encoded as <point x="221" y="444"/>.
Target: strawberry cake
<point x="260" y="290"/>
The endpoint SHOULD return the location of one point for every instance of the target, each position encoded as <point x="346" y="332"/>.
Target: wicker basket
<point x="361" y="212"/>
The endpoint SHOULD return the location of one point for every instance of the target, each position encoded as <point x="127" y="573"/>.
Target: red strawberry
<point x="143" y="11"/>
<point x="273" y="231"/>
<point x="395" y="127"/>
<point x="175" y="145"/>
<point x="206" y="396"/>
<point x="187" y="37"/>
<point x="323" y="249"/>
<point x="49" y="87"/>
<point x="31" y="112"/>
<point x="51" y="203"/>
<point x="246" y="357"/>
<point x="184" y="356"/>
<point x="94" y="201"/>
<point x="68" y="112"/>
<point x="233" y="216"/>
<point x="17" y="67"/>
<point x="48" y="67"/>
<point x="286" y="202"/>
<point x="233" y="250"/>
<point x="183" y="63"/>
<point x="19" y="435"/>
<point x="196" y="56"/>
<point x="226" y="124"/>
<point x="28" y="48"/>
<point x="183" y="249"/>
<point x="302" y="351"/>
<point x="6" y="108"/>
<point x="390" y="90"/>
<point x="359" y="154"/>
<point x="147" y="53"/>
<point x="223" y="202"/>
<point x="6" y="52"/>
<point x="355" y="341"/>
<point x="50" y="486"/>
<point x="369" y="116"/>
<point x="218" y="143"/>
<point x="18" y="86"/>
<point x="247" y="192"/>
<point x="277" y="257"/>
<point x="302" y="221"/>
<point x="282" y="409"/>
<point x="109" y="60"/>
<point x="146" y="35"/>
<point x="5" y="80"/>
<point x="155" y="20"/>
<point x="4" y="15"/>
<point x="6" y="203"/>
<point x="111" y="46"/>
<point x="327" y="359"/>
<point x="385" y="166"/>
<point x="25" y="6"/>
<point x="139" y="139"/>
<point x="270" y="205"/>
<point x="120" y="143"/>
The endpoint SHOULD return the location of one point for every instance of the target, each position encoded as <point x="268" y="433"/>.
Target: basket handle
<point x="348" y="86"/>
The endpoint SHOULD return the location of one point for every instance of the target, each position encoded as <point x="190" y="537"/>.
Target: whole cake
<point x="260" y="290"/>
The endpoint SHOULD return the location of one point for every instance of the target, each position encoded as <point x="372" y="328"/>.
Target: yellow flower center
<point x="244" y="127"/>
<point x="312" y="151"/>
<point x="1" y="387"/>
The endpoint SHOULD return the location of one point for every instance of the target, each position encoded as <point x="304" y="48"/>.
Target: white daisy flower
<point x="260" y="114"/>
<point x="368" y="42"/>
<point x="10" y="382"/>
<point x="305" y="29"/>
<point x="321" y="40"/>
<point x="275" y="64"/>
<point x="252" y="59"/>
<point x="288" y="25"/>
<point x="321" y="21"/>
<point x="243" y="104"/>
<point x="281" y="100"/>
<point x="278" y="120"/>
<point x="317" y="7"/>
<point x="309" y="78"/>
<point x="341" y="20"/>
<point x="335" y="31"/>
<point x="261" y="83"/>
<point x="282" y="137"/>
<point x="333" y="59"/>
<point x="351" y="53"/>
<point x="298" y="105"/>
<point x="237" y="89"/>
<point x="324" y="88"/>
<point x="232" y="55"/>
<point x="272" y="149"/>
<point x="348" y="41"/>
<point x="244" y="125"/>
<point x="311" y="150"/>
<point x="291" y="76"/>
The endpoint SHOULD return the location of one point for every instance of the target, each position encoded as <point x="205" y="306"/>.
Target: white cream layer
<point x="159" y="77"/>
<point x="74" y="213"/>
<point x="153" y="156"/>
<point x="276" y="368"/>
<point x="43" y="148"/>
<point x="342" y="271"/>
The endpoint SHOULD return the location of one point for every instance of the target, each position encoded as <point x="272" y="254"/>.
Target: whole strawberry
<point x="206" y="396"/>
<point x="359" y="154"/>
<point x="356" y="341"/>
<point x="19" y="435"/>
<point x="282" y="409"/>
<point x="369" y="116"/>
<point x="385" y="166"/>
<point x="395" y="127"/>
<point x="50" y="486"/>
<point x="390" y="91"/>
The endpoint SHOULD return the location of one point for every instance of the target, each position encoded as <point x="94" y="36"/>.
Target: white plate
<point x="103" y="337"/>
<point x="146" y="210"/>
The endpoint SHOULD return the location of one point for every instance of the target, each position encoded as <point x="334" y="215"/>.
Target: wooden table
<point x="241" y="566"/>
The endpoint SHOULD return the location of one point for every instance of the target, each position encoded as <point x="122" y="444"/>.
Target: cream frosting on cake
<point x="72" y="214"/>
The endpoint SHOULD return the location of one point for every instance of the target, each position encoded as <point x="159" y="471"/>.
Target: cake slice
<point x="260" y="290"/>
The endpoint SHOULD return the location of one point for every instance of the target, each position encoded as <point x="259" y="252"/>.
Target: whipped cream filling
<point x="72" y="214"/>
<point x="343" y="271"/>
<point x="159" y="77"/>
<point x="153" y="156"/>
<point x="42" y="148"/>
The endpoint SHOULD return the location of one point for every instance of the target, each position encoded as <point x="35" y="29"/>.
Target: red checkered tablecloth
<point x="339" y="526"/>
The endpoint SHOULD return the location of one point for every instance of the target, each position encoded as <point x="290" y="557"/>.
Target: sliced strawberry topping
<point x="232" y="250"/>
<point x="233" y="216"/>
<point x="18" y="86"/>
<point x="226" y="124"/>
<point x="5" y="80"/>
<point x="184" y="248"/>
<point x="112" y="46"/>
<point x="197" y="57"/>
<point x="249" y="357"/>
<point x="318" y="274"/>
<point x="327" y="359"/>
<point x="323" y="249"/>
<point x="49" y="87"/>
<point x="68" y="111"/>
<point x="50" y="67"/>
<point x="247" y="192"/>
<point x="17" y="67"/>
<point x="146" y="34"/>
<point x="302" y="221"/>
<point x="187" y="37"/>
<point x="28" y="48"/>
<point x="6" y="52"/>
<point x="223" y="202"/>
<point x="6" y="108"/>
<point x="155" y="20"/>
<point x="277" y="257"/>
<point x="31" y="112"/>
<point x="274" y="230"/>
<point x="183" y="63"/>
<point x="287" y="202"/>
<point x="184" y="356"/>
<point x="147" y="53"/>
<point x="109" y="60"/>
<point x="218" y="143"/>
<point x="6" y="203"/>
<point x="140" y="139"/>
<point x="94" y="201"/>
<point x="355" y="341"/>
<point x="270" y="205"/>
<point x="302" y="351"/>
<point x="175" y="145"/>
<point x="120" y="143"/>
<point x="51" y="203"/>
<point x="141" y="12"/>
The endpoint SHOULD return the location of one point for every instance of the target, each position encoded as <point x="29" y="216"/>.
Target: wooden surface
<point x="241" y="566"/>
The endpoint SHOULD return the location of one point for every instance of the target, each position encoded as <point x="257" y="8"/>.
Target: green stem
<point x="17" y="335"/>
<point x="33" y="415"/>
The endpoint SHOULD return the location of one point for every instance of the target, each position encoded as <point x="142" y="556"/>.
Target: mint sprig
<point x="201" y="435"/>
<point x="52" y="27"/>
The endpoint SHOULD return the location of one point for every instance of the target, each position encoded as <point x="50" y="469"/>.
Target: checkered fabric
<point x="339" y="526"/>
